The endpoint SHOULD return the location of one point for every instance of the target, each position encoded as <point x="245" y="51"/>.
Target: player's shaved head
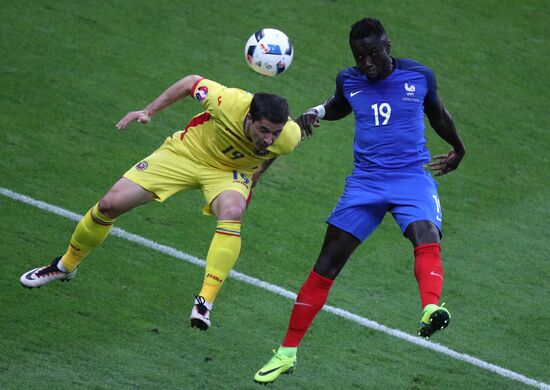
<point x="271" y="107"/>
<point x="367" y="27"/>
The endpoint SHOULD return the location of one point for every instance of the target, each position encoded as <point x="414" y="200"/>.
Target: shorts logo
<point x="202" y="93"/>
<point x="243" y="179"/>
<point x="141" y="166"/>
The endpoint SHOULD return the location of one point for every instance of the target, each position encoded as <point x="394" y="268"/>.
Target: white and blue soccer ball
<point x="269" y="52"/>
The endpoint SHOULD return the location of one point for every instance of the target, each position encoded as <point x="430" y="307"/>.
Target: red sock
<point x="310" y="300"/>
<point x="428" y="270"/>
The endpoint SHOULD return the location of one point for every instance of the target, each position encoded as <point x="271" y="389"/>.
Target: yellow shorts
<point x="171" y="169"/>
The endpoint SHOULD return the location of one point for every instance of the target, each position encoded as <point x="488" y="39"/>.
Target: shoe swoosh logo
<point x="263" y="373"/>
<point x="352" y="94"/>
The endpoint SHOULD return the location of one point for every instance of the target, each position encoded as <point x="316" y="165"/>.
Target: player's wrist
<point x="320" y="109"/>
<point x="149" y="111"/>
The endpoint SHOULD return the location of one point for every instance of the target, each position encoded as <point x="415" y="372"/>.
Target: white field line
<point x="287" y="294"/>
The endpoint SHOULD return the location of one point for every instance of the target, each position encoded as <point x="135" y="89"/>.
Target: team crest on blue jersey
<point x="409" y="93"/>
<point x="202" y="93"/>
<point x="410" y="89"/>
<point x="141" y="166"/>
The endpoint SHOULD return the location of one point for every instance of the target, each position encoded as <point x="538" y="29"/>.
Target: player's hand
<point x="256" y="177"/>
<point x="307" y="121"/>
<point x="445" y="163"/>
<point x="142" y="116"/>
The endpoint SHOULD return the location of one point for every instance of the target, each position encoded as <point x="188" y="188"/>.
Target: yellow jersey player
<point x="222" y="151"/>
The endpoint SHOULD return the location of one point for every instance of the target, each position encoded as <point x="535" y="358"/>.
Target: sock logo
<point x="435" y="274"/>
<point x="216" y="278"/>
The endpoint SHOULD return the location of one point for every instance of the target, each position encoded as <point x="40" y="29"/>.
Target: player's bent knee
<point x="325" y="271"/>
<point x="329" y="267"/>
<point x="108" y="207"/>
<point x="233" y="213"/>
<point x="423" y="232"/>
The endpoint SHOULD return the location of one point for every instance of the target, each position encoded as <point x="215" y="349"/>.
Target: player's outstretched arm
<point x="443" y="124"/>
<point x="329" y="110"/>
<point x="175" y="92"/>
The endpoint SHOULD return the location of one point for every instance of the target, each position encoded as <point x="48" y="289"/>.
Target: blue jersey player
<point x="389" y="98"/>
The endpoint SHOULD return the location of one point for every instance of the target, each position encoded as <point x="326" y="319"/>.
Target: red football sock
<point x="310" y="300"/>
<point x="428" y="270"/>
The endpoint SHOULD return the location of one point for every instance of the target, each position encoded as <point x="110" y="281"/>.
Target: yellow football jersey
<point x="216" y="137"/>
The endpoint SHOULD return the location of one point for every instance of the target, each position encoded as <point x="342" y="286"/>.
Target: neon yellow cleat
<point x="277" y="365"/>
<point x="434" y="318"/>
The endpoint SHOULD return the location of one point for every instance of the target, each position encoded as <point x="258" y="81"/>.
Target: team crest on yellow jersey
<point x="202" y="93"/>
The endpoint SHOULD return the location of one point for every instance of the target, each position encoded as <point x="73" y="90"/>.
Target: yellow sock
<point x="222" y="255"/>
<point x="89" y="233"/>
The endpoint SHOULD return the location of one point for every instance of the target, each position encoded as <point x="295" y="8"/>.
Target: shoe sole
<point x="30" y="287"/>
<point x="439" y="320"/>
<point x="290" y="371"/>
<point x="196" y="323"/>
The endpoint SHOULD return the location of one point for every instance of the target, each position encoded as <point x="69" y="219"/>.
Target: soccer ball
<point x="269" y="52"/>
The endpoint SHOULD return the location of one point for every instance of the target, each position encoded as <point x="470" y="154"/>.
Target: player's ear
<point x="388" y="46"/>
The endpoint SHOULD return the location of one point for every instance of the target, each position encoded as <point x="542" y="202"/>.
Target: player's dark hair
<point x="271" y="107"/>
<point x="365" y="28"/>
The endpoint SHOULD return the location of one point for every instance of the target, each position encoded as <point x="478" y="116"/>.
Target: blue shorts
<point x="409" y="196"/>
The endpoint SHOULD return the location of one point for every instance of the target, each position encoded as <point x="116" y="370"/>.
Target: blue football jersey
<point x="389" y="115"/>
